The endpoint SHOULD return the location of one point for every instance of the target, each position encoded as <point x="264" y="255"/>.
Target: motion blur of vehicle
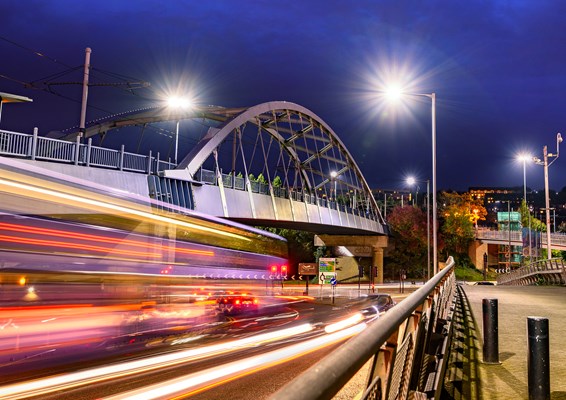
<point x="378" y="304"/>
<point x="75" y="225"/>
<point x="237" y="303"/>
<point x="86" y="270"/>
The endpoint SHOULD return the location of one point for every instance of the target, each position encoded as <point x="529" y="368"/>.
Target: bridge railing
<point x="547" y="272"/>
<point x="238" y="183"/>
<point x="556" y="238"/>
<point x="407" y="350"/>
<point x="34" y="147"/>
<point x="16" y="144"/>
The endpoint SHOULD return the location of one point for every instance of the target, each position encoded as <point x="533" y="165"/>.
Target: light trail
<point x="114" y="207"/>
<point x="203" y="380"/>
<point x="97" y="238"/>
<point x="67" y="381"/>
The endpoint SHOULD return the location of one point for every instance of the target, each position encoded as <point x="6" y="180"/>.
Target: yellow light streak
<point x="115" y="207"/>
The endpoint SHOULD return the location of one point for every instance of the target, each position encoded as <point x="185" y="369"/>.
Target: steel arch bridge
<point x="280" y="149"/>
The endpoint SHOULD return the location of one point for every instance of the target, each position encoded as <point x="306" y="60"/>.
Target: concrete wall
<point x="476" y="251"/>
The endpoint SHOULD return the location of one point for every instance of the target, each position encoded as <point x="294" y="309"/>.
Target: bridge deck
<point x="509" y="380"/>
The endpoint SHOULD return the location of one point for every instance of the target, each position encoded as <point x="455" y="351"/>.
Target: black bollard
<point x="538" y="358"/>
<point x="490" y="332"/>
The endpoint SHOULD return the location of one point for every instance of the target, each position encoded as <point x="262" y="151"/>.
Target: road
<point x="244" y="354"/>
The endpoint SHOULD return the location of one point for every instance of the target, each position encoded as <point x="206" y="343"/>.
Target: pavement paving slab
<point x="509" y="379"/>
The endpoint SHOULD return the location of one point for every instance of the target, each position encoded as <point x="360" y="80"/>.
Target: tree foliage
<point x="527" y="219"/>
<point x="408" y="227"/>
<point x="458" y="216"/>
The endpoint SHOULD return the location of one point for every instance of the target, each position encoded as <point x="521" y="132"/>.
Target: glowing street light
<point x="546" y="164"/>
<point x="524" y="158"/>
<point x="178" y="103"/>
<point x="395" y="93"/>
<point x="411" y="181"/>
<point x="333" y="175"/>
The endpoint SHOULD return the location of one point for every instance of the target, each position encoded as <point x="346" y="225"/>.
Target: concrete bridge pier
<point x="375" y="244"/>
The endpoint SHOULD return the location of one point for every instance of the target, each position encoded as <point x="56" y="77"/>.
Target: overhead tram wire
<point x="37" y="53"/>
<point x="56" y="61"/>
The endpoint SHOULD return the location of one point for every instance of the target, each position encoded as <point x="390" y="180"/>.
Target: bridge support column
<point x="360" y="246"/>
<point x="377" y="261"/>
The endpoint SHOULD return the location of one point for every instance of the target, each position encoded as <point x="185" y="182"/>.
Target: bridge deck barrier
<point x="548" y="272"/>
<point x="407" y="350"/>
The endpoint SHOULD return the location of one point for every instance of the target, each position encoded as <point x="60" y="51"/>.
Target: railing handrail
<point x="103" y="157"/>
<point x="346" y="361"/>
<point x="537" y="267"/>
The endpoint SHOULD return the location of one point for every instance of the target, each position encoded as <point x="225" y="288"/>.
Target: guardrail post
<point x="157" y="164"/>
<point x="77" y="149"/>
<point x="122" y="147"/>
<point x="490" y="331"/>
<point x="34" y="143"/>
<point x="88" y="151"/>
<point x="149" y="160"/>
<point x="538" y="358"/>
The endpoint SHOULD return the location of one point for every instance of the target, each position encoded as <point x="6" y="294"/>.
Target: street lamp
<point x="524" y="158"/>
<point x="546" y="164"/>
<point x="395" y="93"/>
<point x="333" y="175"/>
<point x="411" y="181"/>
<point x="178" y="103"/>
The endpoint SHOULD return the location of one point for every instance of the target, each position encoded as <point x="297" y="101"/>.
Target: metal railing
<point x="557" y="239"/>
<point x="542" y="272"/>
<point x="239" y="183"/>
<point x="15" y="144"/>
<point x="407" y="347"/>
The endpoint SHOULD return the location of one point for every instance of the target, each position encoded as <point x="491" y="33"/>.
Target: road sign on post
<point x="326" y="270"/>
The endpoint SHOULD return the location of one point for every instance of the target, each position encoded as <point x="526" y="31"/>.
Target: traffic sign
<point x="325" y="277"/>
<point x="333" y="281"/>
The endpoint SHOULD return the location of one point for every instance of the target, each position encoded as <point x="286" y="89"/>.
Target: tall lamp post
<point x="544" y="162"/>
<point x="524" y="158"/>
<point x="411" y="181"/>
<point x="178" y="103"/>
<point x="396" y="93"/>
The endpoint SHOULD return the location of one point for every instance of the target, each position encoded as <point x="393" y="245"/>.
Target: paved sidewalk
<point x="509" y="380"/>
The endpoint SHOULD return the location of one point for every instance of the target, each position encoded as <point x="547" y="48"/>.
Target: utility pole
<point x="546" y="164"/>
<point x="85" y="84"/>
<point x="82" y="123"/>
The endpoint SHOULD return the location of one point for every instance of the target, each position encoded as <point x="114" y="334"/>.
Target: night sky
<point x="498" y="69"/>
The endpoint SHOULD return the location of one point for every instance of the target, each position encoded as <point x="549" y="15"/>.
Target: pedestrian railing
<point x="15" y="144"/>
<point x="542" y="272"/>
<point x="516" y="237"/>
<point x="407" y="349"/>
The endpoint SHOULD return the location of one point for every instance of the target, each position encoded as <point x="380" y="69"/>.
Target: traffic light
<point x="274" y="269"/>
<point x="284" y="270"/>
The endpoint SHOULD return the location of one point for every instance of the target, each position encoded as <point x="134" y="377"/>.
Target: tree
<point x="408" y="227"/>
<point x="459" y="214"/>
<point x="527" y="219"/>
<point x="277" y="181"/>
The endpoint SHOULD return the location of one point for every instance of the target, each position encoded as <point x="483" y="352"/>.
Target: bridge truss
<point x="281" y="144"/>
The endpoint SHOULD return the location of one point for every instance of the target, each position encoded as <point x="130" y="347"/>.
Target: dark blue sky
<point x="497" y="67"/>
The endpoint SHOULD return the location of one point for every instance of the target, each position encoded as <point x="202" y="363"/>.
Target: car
<point x="382" y="301"/>
<point x="236" y="303"/>
<point x="485" y="283"/>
